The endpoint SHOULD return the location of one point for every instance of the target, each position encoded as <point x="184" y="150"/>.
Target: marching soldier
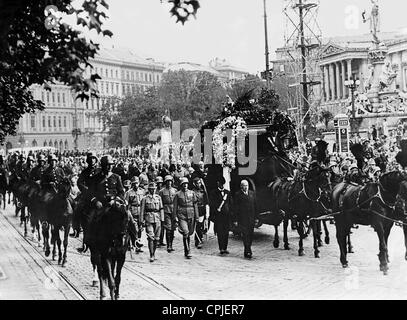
<point x="159" y="183"/>
<point x="203" y="208"/>
<point x="133" y="199"/>
<point x="167" y="195"/>
<point x="152" y="214"/>
<point x="186" y="214"/>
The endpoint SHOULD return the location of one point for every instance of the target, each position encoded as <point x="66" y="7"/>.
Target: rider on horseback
<point x="37" y="172"/>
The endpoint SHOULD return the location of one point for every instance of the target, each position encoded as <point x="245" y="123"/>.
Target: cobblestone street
<point x="25" y="273"/>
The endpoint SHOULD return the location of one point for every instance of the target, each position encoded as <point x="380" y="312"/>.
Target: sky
<point x="231" y="29"/>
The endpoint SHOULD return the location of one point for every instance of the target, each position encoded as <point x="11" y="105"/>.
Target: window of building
<point x="34" y="143"/>
<point x="117" y="88"/>
<point x="53" y="97"/>
<point x="45" y="143"/>
<point x="55" y="121"/>
<point x="107" y="87"/>
<point x="47" y="97"/>
<point x="44" y="122"/>
<point x="107" y="73"/>
<point x="58" y="98"/>
<point x="111" y="73"/>
<point x="150" y="78"/>
<point x="59" y="122"/>
<point x="127" y="75"/>
<point x="145" y="77"/>
<point x="122" y="74"/>
<point x="63" y="98"/>
<point x="117" y="74"/>
<point x="137" y="76"/>
<point x="42" y="96"/>
<point x="64" y="121"/>
<point x="61" y="145"/>
<point x="112" y="87"/>
<point x="32" y="121"/>
<point x="132" y="76"/>
<point x="96" y="70"/>
<point x="66" y="145"/>
<point x="49" y="122"/>
<point x="56" y="144"/>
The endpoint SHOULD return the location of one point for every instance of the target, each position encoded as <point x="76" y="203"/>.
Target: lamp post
<point x="352" y="84"/>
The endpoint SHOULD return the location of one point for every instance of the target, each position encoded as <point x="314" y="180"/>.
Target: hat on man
<point x="159" y="179"/>
<point x="106" y="160"/>
<point x="152" y="185"/>
<point x="353" y="166"/>
<point x="183" y="180"/>
<point x="52" y="157"/>
<point x="30" y="158"/>
<point x="41" y="157"/>
<point x="376" y="170"/>
<point x="135" y="179"/>
<point x="168" y="178"/>
<point x="91" y="154"/>
<point x="371" y="162"/>
<point x="196" y="178"/>
<point x="21" y="157"/>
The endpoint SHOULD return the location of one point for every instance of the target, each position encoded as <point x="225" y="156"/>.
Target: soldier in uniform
<point x="133" y="199"/>
<point x="167" y="195"/>
<point x="52" y="175"/>
<point x="84" y="183"/>
<point x="152" y="214"/>
<point x="37" y="172"/>
<point x="159" y="183"/>
<point x="186" y="214"/>
<point x="26" y="169"/>
<point x="108" y="192"/>
<point x="3" y="181"/>
<point x="203" y="208"/>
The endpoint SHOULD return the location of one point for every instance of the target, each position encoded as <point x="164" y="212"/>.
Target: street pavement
<point x="271" y="274"/>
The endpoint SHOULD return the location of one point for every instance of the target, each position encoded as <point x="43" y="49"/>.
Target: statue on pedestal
<point x="374" y="21"/>
<point x="387" y="77"/>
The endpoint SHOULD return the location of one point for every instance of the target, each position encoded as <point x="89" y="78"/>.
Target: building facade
<point x="67" y="123"/>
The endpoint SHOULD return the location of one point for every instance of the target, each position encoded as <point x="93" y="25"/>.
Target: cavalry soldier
<point x="186" y="214"/>
<point x="37" y="172"/>
<point x="203" y="208"/>
<point x="26" y="168"/>
<point x="152" y="214"/>
<point x="221" y="205"/>
<point x="133" y="199"/>
<point x="52" y="175"/>
<point x="20" y="167"/>
<point x="84" y="183"/>
<point x="108" y="192"/>
<point x="167" y="195"/>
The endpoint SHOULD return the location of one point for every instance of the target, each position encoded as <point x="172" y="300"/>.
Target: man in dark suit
<point x="220" y="212"/>
<point x="245" y="211"/>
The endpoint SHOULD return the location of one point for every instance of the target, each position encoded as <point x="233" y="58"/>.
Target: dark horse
<point x="108" y="239"/>
<point x="20" y="190"/>
<point x="54" y="209"/>
<point x="373" y="204"/>
<point x="301" y="199"/>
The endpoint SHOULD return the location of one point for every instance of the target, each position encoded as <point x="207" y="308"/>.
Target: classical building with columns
<point x="347" y="57"/>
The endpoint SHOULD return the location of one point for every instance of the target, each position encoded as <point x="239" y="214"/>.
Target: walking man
<point x="152" y="214"/>
<point x="186" y="214"/>
<point x="245" y="209"/>
<point x="220" y="205"/>
<point x="203" y="209"/>
<point x="167" y="195"/>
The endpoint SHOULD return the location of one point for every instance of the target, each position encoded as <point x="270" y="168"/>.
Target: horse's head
<point x="319" y="176"/>
<point x="393" y="182"/>
<point x="64" y="187"/>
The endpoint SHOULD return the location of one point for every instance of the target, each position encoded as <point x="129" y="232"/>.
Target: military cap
<point x="183" y="180"/>
<point x="22" y="156"/>
<point x="135" y="180"/>
<point x="52" y="157"/>
<point x="196" y="178"/>
<point x="353" y="166"/>
<point x="41" y="157"/>
<point x="126" y="183"/>
<point x="106" y="160"/>
<point x="91" y="154"/>
<point x="332" y="164"/>
<point x="168" y="178"/>
<point x="371" y="162"/>
<point x="152" y="185"/>
<point x="376" y="169"/>
<point x="159" y="179"/>
<point x="30" y="158"/>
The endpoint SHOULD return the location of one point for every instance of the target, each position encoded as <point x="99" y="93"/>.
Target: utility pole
<point x="305" y="96"/>
<point x="267" y="73"/>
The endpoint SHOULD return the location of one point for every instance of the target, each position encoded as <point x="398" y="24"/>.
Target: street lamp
<point x="352" y="84"/>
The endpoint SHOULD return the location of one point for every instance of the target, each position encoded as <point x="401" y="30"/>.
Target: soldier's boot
<point x="151" y="249"/>
<point x="161" y="237"/>
<point x="155" y="248"/>
<point x="189" y="256"/>
<point x="186" y="248"/>
<point x="168" y="239"/>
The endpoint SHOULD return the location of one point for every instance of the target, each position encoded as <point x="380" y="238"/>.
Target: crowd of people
<point x="162" y="198"/>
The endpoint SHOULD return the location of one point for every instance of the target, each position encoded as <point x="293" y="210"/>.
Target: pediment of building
<point x="332" y="49"/>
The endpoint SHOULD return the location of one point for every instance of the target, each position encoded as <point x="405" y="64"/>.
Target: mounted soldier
<point x="52" y="175"/>
<point x="37" y="172"/>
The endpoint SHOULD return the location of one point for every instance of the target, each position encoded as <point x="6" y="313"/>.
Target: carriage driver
<point x="152" y="214"/>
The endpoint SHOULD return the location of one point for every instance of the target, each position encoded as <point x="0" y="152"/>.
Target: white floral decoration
<point x="225" y="153"/>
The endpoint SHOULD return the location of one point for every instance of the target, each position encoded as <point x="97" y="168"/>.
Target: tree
<point x="42" y="49"/>
<point x="240" y="87"/>
<point x="39" y="49"/>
